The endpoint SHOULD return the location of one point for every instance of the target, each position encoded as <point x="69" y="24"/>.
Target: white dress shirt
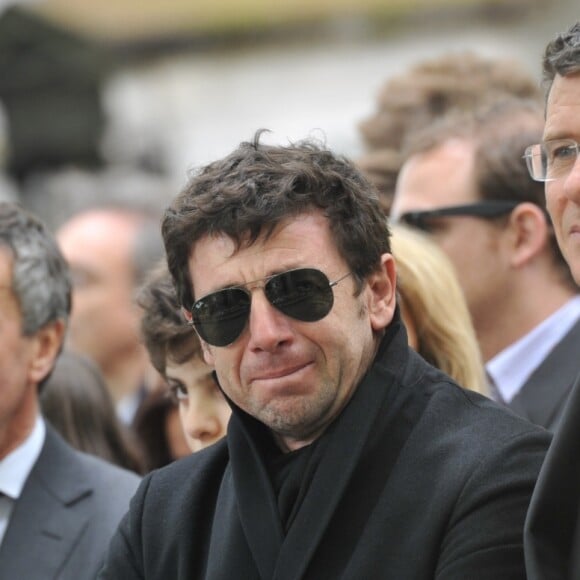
<point x="511" y="368"/>
<point x="15" y="469"/>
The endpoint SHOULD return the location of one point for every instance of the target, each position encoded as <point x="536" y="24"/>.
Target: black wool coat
<point x="416" y="479"/>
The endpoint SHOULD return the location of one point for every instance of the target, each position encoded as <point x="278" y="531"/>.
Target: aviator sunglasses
<point x="304" y="294"/>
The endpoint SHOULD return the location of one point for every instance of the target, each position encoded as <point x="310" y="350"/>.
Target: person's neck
<point x="19" y="426"/>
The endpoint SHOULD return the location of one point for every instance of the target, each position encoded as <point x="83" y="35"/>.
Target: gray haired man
<point x="58" y="507"/>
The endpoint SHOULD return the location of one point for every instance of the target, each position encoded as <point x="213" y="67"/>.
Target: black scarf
<point x="301" y="513"/>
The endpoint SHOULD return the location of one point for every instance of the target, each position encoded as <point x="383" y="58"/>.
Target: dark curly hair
<point x="164" y="331"/>
<point x="250" y="192"/>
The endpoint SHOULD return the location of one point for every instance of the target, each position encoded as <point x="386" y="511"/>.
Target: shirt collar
<point x="511" y="368"/>
<point x="17" y="465"/>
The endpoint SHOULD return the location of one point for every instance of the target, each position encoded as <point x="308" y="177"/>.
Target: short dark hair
<point x="562" y="56"/>
<point x="248" y="193"/>
<point x="165" y="333"/>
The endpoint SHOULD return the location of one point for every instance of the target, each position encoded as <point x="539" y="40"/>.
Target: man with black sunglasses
<point x="466" y="184"/>
<point x="347" y="455"/>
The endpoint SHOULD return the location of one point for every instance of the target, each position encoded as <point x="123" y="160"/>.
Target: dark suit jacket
<point x="543" y="397"/>
<point x="62" y="523"/>
<point x="416" y="479"/>
<point x="552" y="532"/>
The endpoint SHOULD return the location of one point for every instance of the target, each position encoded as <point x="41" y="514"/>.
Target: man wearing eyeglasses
<point x="347" y="455"/>
<point x="552" y="533"/>
<point x="466" y="184"/>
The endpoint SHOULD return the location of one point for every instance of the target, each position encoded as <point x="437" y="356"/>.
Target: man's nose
<point x="268" y="327"/>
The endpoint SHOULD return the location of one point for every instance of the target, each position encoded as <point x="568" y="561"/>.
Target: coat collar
<point x="45" y="522"/>
<point x="334" y="459"/>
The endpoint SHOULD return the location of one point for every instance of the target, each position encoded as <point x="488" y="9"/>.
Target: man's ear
<point x="382" y="288"/>
<point x="46" y="345"/>
<point x="529" y="233"/>
<point x="187" y="315"/>
<point x="207" y="353"/>
<point x="205" y="348"/>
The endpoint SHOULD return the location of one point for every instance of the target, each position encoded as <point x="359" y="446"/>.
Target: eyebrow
<point x="252" y="282"/>
<point x="557" y="133"/>
<point x="554" y="137"/>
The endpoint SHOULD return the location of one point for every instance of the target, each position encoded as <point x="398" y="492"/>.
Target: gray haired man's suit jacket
<point x="62" y="523"/>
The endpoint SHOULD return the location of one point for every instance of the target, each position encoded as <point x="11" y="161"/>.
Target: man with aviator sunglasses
<point x="345" y="449"/>
<point x="465" y="183"/>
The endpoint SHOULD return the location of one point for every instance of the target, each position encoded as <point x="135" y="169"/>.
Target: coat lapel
<point x="42" y="530"/>
<point x="258" y="510"/>
<point x="228" y="537"/>
<point x="542" y="398"/>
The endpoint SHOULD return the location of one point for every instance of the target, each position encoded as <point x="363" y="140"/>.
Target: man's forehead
<point x="6" y="276"/>
<point x="563" y="108"/>
<point x="438" y="177"/>
<point x="6" y="265"/>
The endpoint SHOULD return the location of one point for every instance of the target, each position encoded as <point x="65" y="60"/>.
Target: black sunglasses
<point x="484" y="209"/>
<point x="304" y="294"/>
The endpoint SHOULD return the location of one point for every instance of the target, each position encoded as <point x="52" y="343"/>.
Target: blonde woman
<point x="434" y="309"/>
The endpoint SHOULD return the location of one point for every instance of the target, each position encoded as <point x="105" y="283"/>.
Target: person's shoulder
<point x="84" y="484"/>
<point x="58" y="455"/>
<point x="193" y="479"/>
<point x="476" y="418"/>
<point x="105" y="473"/>
<point x="464" y="413"/>
<point x="200" y="465"/>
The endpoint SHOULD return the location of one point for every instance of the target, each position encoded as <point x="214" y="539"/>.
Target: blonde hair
<point x="434" y="300"/>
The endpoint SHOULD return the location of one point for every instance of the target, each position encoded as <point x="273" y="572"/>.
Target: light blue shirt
<point x="15" y="469"/>
<point x="511" y="368"/>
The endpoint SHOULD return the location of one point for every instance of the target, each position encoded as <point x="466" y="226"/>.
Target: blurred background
<point x="123" y="97"/>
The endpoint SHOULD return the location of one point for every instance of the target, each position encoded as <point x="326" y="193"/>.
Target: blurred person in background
<point x="110" y="251"/>
<point x="465" y="182"/>
<point x="158" y="428"/>
<point x="433" y="309"/>
<point x="414" y="99"/>
<point x="58" y="507"/>
<point x="552" y="531"/>
<point x="176" y="353"/>
<point x="76" y="402"/>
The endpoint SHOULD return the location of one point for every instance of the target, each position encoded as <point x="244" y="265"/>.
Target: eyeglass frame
<point x="529" y="155"/>
<point x="262" y="283"/>
<point x="485" y="209"/>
